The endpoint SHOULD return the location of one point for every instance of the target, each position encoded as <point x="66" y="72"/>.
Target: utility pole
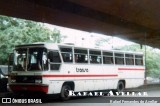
<point x="145" y="73"/>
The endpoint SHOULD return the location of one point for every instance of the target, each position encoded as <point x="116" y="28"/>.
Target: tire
<point x="64" y="92"/>
<point x="120" y="86"/>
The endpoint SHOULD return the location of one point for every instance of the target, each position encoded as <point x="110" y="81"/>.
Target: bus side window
<point x="129" y="59"/>
<point x="107" y="57"/>
<point x="67" y="54"/>
<point x="139" y="60"/>
<point x="80" y="55"/>
<point x="55" y="60"/>
<point x="95" y="57"/>
<point x="119" y="58"/>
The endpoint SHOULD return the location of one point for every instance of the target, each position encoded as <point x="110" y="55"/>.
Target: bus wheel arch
<point x="64" y="90"/>
<point x="121" y="85"/>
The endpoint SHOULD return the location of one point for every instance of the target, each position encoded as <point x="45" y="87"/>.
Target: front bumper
<point x="29" y="88"/>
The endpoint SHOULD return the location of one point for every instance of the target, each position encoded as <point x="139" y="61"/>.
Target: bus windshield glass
<point x="30" y="59"/>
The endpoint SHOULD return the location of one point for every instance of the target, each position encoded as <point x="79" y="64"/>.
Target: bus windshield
<point x="30" y="59"/>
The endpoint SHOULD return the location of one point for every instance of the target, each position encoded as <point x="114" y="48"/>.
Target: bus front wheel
<point x="65" y="92"/>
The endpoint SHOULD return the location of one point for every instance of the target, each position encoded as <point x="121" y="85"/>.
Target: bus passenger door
<point x="54" y="60"/>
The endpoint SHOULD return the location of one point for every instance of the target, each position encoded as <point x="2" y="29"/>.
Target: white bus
<point x="57" y="68"/>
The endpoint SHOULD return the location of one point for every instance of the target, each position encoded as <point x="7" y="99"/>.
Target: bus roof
<point x="55" y="46"/>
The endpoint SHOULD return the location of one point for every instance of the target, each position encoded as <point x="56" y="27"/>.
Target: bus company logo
<point x="6" y="100"/>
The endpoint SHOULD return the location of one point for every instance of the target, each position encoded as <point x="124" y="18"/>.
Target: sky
<point x="88" y="39"/>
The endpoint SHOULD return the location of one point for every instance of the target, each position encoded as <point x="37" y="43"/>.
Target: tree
<point x="15" y="31"/>
<point x="101" y="41"/>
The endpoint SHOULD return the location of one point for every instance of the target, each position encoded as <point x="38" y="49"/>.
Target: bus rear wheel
<point x="120" y="86"/>
<point x="65" y="92"/>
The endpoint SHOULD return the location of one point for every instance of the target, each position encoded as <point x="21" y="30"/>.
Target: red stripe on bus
<point x="108" y="75"/>
<point x="134" y="69"/>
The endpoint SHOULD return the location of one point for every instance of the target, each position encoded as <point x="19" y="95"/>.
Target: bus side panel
<point x="99" y="84"/>
<point x="133" y="75"/>
<point x="54" y="84"/>
<point x="79" y="85"/>
<point x="97" y="77"/>
<point x="56" y="78"/>
<point x="55" y="87"/>
<point x="111" y="83"/>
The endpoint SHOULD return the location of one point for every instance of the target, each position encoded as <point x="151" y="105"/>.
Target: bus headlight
<point x="38" y="80"/>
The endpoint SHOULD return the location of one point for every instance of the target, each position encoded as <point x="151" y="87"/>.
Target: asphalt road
<point x="153" y="96"/>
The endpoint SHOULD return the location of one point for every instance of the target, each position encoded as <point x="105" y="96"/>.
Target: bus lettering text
<point x="81" y="70"/>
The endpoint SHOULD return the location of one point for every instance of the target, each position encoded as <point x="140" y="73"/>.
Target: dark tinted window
<point x="95" y="57"/>
<point x="107" y="58"/>
<point x="67" y="54"/>
<point x="129" y="58"/>
<point x="119" y="58"/>
<point x="80" y="56"/>
<point x="55" y="60"/>
<point x="138" y="60"/>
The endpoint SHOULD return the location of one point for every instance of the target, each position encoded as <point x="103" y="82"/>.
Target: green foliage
<point x="152" y="58"/>
<point x="101" y="41"/>
<point x="15" y="31"/>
